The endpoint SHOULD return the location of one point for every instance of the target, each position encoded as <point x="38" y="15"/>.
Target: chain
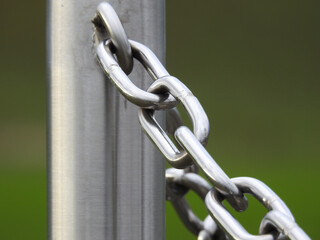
<point x="190" y="154"/>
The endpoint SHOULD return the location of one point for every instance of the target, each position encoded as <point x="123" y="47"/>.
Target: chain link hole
<point x="251" y="218"/>
<point x="196" y="204"/>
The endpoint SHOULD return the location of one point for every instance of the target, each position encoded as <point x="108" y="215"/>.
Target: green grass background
<point x="254" y="66"/>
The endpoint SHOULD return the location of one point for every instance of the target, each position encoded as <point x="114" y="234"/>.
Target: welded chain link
<point x="190" y="154"/>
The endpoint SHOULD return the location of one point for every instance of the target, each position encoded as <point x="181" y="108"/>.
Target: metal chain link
<point x="190" y="154"/>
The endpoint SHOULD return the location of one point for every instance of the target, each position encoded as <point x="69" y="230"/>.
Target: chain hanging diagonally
<point x="165" y="93"/>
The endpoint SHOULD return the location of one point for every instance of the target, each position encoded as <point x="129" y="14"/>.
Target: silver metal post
<point x="105" y="179"/>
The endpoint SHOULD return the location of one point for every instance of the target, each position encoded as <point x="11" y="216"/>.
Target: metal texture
<point x="105" y="179"/>
<point x="211" y="231"/>
<point x="283" y="222"/>
<point x="177" y="183"/>
<point x="108" y="18"/>
<point x="211" y="169"/>
<point x="119" y="78"/>
<point x="278" y="224"/>
<point x="176" y="177"/>
<point x="156" y="133"/>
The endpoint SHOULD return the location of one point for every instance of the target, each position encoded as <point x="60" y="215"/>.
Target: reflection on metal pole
<point x="105" y="179"/>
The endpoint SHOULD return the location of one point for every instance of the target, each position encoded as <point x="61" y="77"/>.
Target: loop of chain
<point x="108" y="19"/>
<point x="269" y="199"/>
<point x="178" y="182"/>
<point x="211" y="169"/>
<point x="175" y="179"/>
<point x="165" y="93"/>
<point x="211" y="231"/>
<point x="123" y="83"/>
<point x="199" y="119"/>
<point x="277" y="220"/>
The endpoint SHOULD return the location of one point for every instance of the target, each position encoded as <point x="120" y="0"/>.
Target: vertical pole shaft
<point x="105" y="179"/>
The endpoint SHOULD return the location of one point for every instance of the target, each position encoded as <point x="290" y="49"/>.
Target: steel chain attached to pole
<point x="165" y="93"/>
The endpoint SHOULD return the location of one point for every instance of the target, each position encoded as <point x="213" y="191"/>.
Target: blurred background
<point x="254" y="66"/>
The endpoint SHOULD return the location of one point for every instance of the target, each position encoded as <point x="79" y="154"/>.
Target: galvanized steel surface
<point x="92" y="140"/>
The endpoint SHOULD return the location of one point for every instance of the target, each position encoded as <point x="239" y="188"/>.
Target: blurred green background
<point x="254" y="65"/>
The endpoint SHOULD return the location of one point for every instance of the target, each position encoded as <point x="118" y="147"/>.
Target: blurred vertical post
<point x="105" y="179"/>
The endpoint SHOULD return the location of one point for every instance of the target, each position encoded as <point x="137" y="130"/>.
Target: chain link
<point x="190" y="153"/>
<point x="108" y="19"/>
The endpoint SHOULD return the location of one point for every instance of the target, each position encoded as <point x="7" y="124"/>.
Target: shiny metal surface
<point x="181" y="92"/>
<point x="278" y="223"/>
<point x="123" y="83"/>
<point x="210" y="168"/>
<point x="284" y="224"/>
<point x="227" y="222"/>
<point x="178" y="182"/>
<point x="269" y="199"/>
<point x="203" y="235"/>
<point x="263" y="194"/>
<point x="111" y="22"/>
<point x="211" y="231"/>
<point x="155" y="132"/>
<point x="189" y="180"/>
<point x="175" y="179"/>
<point x="173" y="120"/>
<point x="105" y="178"/>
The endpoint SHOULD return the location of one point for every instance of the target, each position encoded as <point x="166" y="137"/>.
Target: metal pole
<point x="105" y="179"/>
